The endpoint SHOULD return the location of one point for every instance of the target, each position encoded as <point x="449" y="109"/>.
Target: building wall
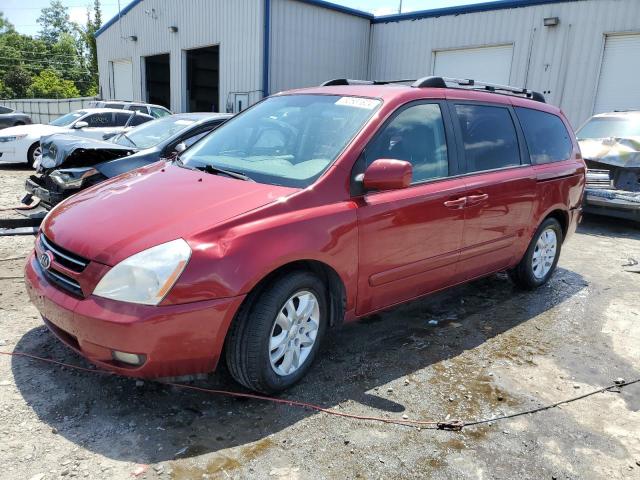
<point x="310" y="44"/>
<point x="236" y="26"/>
<point x="563" y="60"/>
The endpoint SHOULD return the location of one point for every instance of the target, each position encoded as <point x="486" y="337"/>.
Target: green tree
<point x="17" y="81"/>
<point x="54" y="21"/>
<point x="5" y="25"/>
<point x="49" y="84"/>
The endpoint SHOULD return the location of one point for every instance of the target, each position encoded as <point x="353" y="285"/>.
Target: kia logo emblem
<point x="45" y="259"/>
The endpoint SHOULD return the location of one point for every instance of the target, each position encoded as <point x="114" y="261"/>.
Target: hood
<point x="143" y="208"/>
<point x="33" y="129"/>
<point x="74" y="151"/>
<point x="619" y="152"/>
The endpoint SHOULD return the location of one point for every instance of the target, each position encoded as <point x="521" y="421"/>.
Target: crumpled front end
<point x="613" y="177"/>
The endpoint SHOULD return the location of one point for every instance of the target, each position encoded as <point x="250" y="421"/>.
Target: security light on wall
<point x="173" y="29"/>
<point x="551" y="21"/>
<point x="133" y="38"/>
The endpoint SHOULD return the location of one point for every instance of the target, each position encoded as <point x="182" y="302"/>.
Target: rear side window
<point x="114" y="105"/>
<point x="122" y="119"/>
<point x="138" y="120"/>
<point x="489" y="136"/>
<point x="547" y="137"/>
<point x="416" y="135"/>
<point x="100" y="120"/>
<point x="139" y="108"/>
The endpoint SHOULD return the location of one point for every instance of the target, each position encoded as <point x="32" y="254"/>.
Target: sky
<point x="24" y="14"/>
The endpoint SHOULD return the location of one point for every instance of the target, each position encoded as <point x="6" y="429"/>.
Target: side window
<point x="139" y="120"/>
<point x="194" y="138"/>
<point x="547" y="137"/>
<point x="140" y="108"/>
<point x="416" y="135"/>
<point x="114" y="105"/>
<point x="159" y="112"/>
<point x="100" y="120"/>
<point x="489" y="136"/>
<point x="122" y="119"/>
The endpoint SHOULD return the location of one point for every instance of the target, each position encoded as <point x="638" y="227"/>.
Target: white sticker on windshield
<point x="184" y="122"/>
<point x="367" y="103"/>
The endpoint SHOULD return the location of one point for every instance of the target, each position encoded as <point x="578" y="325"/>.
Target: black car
<point x="86" y="162"/>
<point x="11" y="118"/>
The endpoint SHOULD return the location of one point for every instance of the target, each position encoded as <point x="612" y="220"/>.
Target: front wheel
<point x="541" y="258"/>
<point x="276" y="336"/>
<point x="34" y="153"/>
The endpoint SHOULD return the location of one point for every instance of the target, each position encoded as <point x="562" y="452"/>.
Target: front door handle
<point x="457" y="203"/>
<point x="473" y="199"/>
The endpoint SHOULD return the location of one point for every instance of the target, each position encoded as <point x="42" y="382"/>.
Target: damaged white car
<point x="610" y="145"/>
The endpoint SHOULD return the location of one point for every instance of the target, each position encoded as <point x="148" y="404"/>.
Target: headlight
<point x="12" y="138"/>
<point x="72" y="177"/>
<point x="146" y="277"/>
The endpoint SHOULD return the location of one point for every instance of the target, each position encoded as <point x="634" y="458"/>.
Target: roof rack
<point x="441" y="82"/>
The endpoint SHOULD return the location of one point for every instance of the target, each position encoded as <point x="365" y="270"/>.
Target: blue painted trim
<point x="122" y="13"/>
<point x="339" y="8"/>
<point x="438" y="12"/>
<point x="265" y="45"/>
<point x="478" y="7"/>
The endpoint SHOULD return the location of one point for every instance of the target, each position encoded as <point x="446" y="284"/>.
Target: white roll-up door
<point x="618" y="87"/>
<point x="487" y="64"/>
<point x="122" y="76"/>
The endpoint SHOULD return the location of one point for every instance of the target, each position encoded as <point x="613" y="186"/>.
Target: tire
<point x="31" y="154"/>
<point x="531" y="273"/>
<point x="249" y="348"/>
<point x="17" y="124"/>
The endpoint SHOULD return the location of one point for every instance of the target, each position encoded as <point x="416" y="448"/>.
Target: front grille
<point x="64" y="257"/>
<point x="598" y="178"/>
<point x="68" y="260"/>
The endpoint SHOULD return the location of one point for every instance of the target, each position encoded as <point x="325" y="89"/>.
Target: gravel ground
<point x="493" y="350"/>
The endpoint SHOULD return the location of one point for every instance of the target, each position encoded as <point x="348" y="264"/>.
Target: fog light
<point x="128" y="358"/>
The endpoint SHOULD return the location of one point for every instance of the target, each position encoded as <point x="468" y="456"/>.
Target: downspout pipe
<point x="265" y="45"/>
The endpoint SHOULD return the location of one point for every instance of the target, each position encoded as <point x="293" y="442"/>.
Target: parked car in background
<point x="10" y="118"/>
<point x="310" y="208"/>
<point x="70" y="164"/>
<point x="21" y="144"/>
<point x="156" y="111"/>
<point x="610" y="145"/>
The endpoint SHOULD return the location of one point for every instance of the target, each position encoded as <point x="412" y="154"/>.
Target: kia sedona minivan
<point x="312" y="208"/>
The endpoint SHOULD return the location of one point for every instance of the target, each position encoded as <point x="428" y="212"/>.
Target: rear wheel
<point x="35" y="152"/>
<point x="275" y="337"/>
<point x="541" y="258"/>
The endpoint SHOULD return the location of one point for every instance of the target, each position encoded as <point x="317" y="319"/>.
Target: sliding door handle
<point x="473" y="199"/>
<point x="457" y="203"/>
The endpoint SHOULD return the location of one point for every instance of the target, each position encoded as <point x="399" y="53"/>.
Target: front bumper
<point x="8" y="154"/>
<point x="46" y="196"/>
<point x="614" y="203"/>
<point x="176" y="340"/>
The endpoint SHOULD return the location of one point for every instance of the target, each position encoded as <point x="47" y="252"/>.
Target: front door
<point x="501" y="187"/>
<point x="409" y="239"/>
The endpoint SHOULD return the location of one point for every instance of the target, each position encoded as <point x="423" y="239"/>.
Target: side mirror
<point x="80" y="124"/>
<point x="387" y="174"/>
<point x="181" y="147"/>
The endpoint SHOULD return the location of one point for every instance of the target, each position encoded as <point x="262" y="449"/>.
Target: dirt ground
<point x="494" y="350"/>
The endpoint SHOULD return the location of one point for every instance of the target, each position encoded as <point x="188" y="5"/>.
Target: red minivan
<point x="312" y="208"/>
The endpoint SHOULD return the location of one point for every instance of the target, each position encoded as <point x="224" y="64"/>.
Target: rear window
<point x="547" y="138"/>
<point x="489" y="136"/>
<point x="606" y="127"/>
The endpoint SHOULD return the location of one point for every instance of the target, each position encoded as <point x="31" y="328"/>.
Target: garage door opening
<point x="157" y="75"/>
<point x="485" y="64"/>
<point x="618" y="84"/>
<point x="203" y="79"/>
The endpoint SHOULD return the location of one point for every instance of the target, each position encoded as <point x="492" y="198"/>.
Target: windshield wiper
<point x="215" y="170"/>
<point x="127" y="137"/>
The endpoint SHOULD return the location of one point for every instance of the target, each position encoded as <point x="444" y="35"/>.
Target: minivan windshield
<point x="605" y="127"/>
<point x="67" y="119"/>
<point x="287" y="140"/>
<point x="152" y="133"/>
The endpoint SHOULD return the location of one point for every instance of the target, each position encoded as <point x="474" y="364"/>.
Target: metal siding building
<point x="273" y="45"/>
